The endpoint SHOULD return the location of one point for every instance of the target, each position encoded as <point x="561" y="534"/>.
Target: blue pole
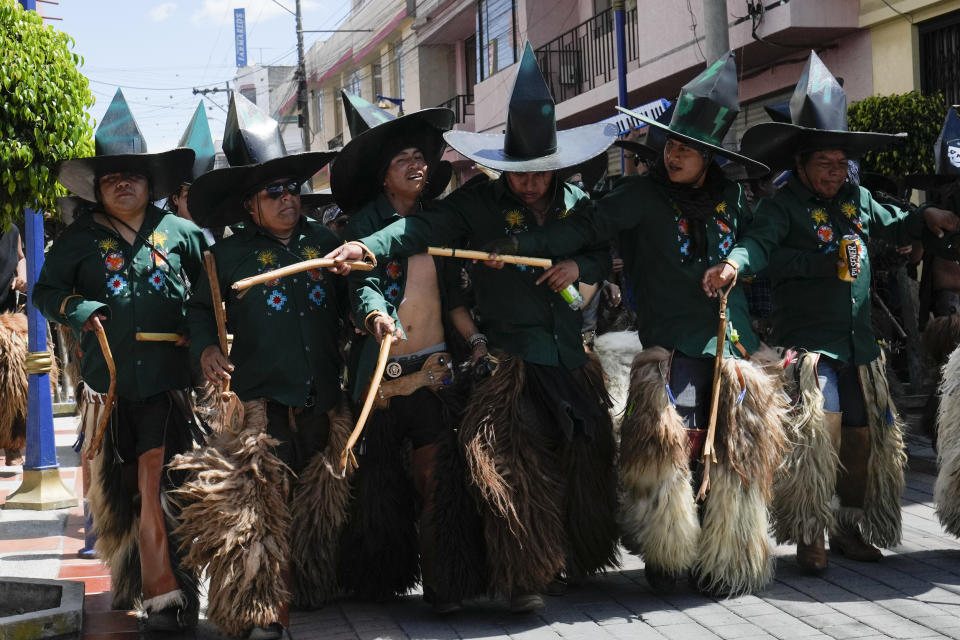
<point x="29" y="5"/>
<point x="619" y="24"/>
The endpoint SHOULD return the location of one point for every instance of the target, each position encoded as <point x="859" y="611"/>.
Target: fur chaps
<point x="880" y="518"/>
<point x="946" y="491"/>
<point x="235" y="522"/>
<point x="616" y="351"/>
<point x="728" y="551"/>
<point x="804" y="484"/>
<point x="321" y="497"/>
<point x="14" y="380"/>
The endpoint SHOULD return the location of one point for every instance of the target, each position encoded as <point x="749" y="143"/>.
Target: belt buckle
<point x="394" y="369"/>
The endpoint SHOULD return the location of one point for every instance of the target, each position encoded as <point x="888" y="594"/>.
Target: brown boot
<point x="425" y="483"/>
<point x="812" y="558"/>
<point x="846" y="539"/>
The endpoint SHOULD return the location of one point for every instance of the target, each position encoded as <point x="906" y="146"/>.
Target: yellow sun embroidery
<point x="515" y="219"/>
<point x="309" y="253"/>
<point x="108" y="245"/>
<point x="848" y="209"/>
<point x="563" y="214"/>
<point x="158" y="238"/>
<point x="819" y="216"/>
<point x="266" y="258"/>
<point x="722" y="207"/>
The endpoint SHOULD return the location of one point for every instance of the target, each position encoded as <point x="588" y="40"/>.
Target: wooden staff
<point x="298" y="267"/>
<point x="149" y="336"/>
<point x="546" y="263"/>
<point x="111" y="393"/>
<point x="367" y="403"/>
<point x="709" y="453"/>
<point x="231" y="406"/>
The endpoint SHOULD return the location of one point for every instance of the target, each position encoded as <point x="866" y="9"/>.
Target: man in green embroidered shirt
<point x="125" y="267"/>
<point x="537" y="434"/>
<point x="821" y="305"/>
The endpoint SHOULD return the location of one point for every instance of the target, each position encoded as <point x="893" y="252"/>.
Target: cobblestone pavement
<point x="914" y="592"/>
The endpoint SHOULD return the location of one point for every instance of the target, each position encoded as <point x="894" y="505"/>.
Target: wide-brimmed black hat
<point x="355" y="178"/>
<point x="705" y="111"/>
<point x="255" y="150"/>
<point x="946" y="153"/>
<point x="591" y="171"/>
<point x="531" y="141"/>
<point x="121" y="147"/>
<point x="818" y="114"/>
<point x="71" y="207"/>
<point x="651" y="148"/>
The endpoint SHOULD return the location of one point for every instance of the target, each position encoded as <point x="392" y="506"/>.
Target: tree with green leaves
<point x="919" y="116"/>
<point x="43" y="102"/>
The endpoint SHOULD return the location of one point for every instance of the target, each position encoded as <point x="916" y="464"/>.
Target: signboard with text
<point x="240" y="36"/>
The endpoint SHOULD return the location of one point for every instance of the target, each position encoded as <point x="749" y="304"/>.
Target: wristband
<point x="477" y="339"/>
<point x="371" y="316"/>
<point x="366" y="252"/>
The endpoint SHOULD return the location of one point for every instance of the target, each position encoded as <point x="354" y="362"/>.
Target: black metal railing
<point x="461" y="105"/>
<point x="335" y="142"/>
<point x="585" y="57"/>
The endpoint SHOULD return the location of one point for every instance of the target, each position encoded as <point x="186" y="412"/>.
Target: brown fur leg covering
<point x="946" y="491"/>
<point x="658" y="514"/>
<point x="321" y="497"/>
<point x="881" y="516"/>
<point x="13" y="381"/>
<point x="735" y="556"/>
<point x="591" y="497"/>
<point x="235" y="522"/>
<point x="517" y="472"/>
<point x="804" y="484"/>
<point x="379" y="552"/>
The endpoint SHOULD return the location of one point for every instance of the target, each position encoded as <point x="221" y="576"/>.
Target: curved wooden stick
<point x="367" y="403"/>
<point x="709" y="454"/>
<point x="111" y="393"/>
<point x="152" y="336"/>
<point x="219" y="313"/>
<point x="289" y="270"/>
<point x="466" y="254"/>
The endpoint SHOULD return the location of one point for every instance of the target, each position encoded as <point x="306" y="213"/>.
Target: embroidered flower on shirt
<point x="722" y="208"/>
<point x="848" y="209"/>
<point x="276" y="300"/>
<point x="515" y="219"/>
<point x="266" y="258"/>
<point x="825" y="233"/>
<point x="394" y="269"/>
<point x="683" y="226"/>
<point x="685" y="247"/>
<point x="157" y="279"/>
<point x="158" y="239"/>
<point x="723" y="227"/>
<point x="310" y="253"/>
<point x="563" y="214"/>
<point x="392" y="292"/>
<point x="315" y="274"/>
<point x="725" y="245"/>
<point x="317" y="295"/>
<point x="116" y="284"/>
<point x="114" y="261"/>
<point x="108" y="244"/>
<point x="819" y="216"/>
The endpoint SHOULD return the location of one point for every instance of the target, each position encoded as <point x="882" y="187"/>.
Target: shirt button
<point x="306" y="348"/>
<point x="139" y="362"/>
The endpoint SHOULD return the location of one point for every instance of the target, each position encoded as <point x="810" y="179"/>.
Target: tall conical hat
<point x="818" y="114"/>
<point x="531" y="141"/>
<point x="256" y="153"/>
<point x="705" y="111"/>
<point x="362" y="115"/>
<point x="197" y="137"/>
<point x="946" y="153"/>
<point x="121" y="147"/>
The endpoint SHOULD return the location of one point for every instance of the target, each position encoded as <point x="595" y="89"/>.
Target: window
<point x="496" y="36"/>
<point x="353" y="84"/>
<point x="318" y="127"/>
<point x="377" y="82"/>
<point x="250" y="93"/>
<point x="396" y="59"/>
<point x="939" y="51"/>
<point x="337" y="112"/>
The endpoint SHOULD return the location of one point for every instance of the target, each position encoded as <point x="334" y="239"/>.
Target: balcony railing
<point x="462" y="106"/>
<point x="585" y="57"/>
<point x="335" y="142"/>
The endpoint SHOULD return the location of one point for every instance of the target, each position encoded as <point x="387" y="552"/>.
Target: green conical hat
<point x="121" y="147"/>
<point x="362" y="115"/>
<point x="197" y="137"/>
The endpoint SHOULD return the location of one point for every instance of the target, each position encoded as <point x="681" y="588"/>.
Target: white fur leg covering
<point x="946" y="491"/>
<point x="616" y="351"/>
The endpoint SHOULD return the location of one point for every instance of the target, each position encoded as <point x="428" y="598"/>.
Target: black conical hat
<point x="250" y="135"/>
<point x="362" y="115"/>
<point x="197" y="137"/>
<point x="705" y="111"/>
<point x="120" y="146"/>
<point x="818" y="121"/>
<point x="531" y="141"/>
<point x="946" y="153"/>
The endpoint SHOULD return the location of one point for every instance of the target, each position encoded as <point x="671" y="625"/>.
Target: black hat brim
<point x="354" y="176"/>
<point x="316" y="199"/>
<point x="165" y="171"/>
<point x="573" y="147"/>
<point x="590" y="170"/>
<point x="69" y="206"/>
<point x="754" y="168"/>
<point x="216" y="198"/>
<point x="646" y="153"/>
<point x="776" y="143"/>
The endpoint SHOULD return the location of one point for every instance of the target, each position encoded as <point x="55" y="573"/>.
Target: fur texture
<point x="616" y="351"/>
<point x="941" y="337"/>
<point x="946" y="491"/>
<point x="235" y="523"/>
<point x="13" y="381"/>
<point x="321" y="497"/>
<point x="517" y="473"/>
<point x="880" y="521"/>
<point x="804" y="483"/>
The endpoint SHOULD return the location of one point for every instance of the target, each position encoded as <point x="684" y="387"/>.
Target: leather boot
<point x="162" y="599"/>
<point x="852" y="489"/>
<point x="812" y="558"/>
<point x="425" y="483"/>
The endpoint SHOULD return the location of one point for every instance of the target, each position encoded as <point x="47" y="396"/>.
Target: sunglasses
<point x="274" y="191"/>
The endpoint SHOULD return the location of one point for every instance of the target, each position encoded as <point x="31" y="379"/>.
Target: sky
<point x="158" y="51"/>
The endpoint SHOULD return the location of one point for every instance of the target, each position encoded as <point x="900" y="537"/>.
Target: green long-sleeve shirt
<point x="672" y="310"/>
<point x="812" y="308"/>
<point x="526" y="320"/>
<point x="135" y="288"/>
<point x="285" y="331"/>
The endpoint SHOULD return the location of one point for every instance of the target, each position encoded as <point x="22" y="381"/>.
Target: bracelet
<point x="730" y="262"/>
<point x="477" y="339"/>
<point x="366" y="252"/>
<point x="371" y="316"/>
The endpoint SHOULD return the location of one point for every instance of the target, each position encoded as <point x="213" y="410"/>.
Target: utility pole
<point x="303" y="119"/>
<point x="716" y="31"/>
